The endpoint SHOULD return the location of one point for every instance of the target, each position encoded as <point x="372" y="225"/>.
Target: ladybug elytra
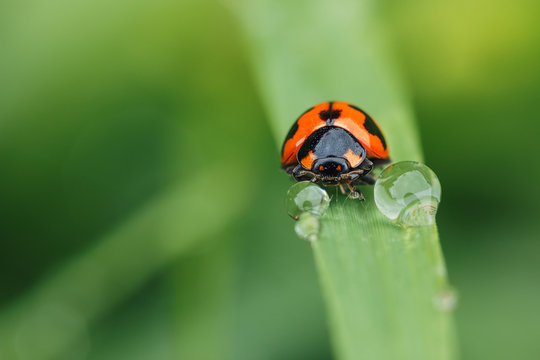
<point x="336" y="143"/>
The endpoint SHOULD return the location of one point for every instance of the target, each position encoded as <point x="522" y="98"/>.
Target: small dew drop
<point x="445" y="300"/>
<point x="307" y="226"/>
<point x="306" y="203"/>
<point x="304" y="197"/>
<point x="409" y="193"/>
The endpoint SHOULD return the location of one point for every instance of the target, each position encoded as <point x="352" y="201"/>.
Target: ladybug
<point x="337" y="143"/>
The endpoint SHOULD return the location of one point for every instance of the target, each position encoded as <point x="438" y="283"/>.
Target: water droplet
<point x="445" y="300"/>
<point x="409" y="193"/>
<point x="304" y="197"/>
<point x="307" y="226"/>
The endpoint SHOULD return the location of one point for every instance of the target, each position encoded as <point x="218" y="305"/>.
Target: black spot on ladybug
<point x="370" y="126"/>
<point x="356" y="108"/>
<point x="329" y="115"/>
<point x="294" y="129"/>
<point x="374" y="130"/>
<point x="326" y="115"/>
<point x="290" y="134"/>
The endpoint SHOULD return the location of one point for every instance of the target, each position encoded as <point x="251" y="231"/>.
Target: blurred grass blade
<point x="255" y="294"/>
<point x="203" y="286"/>
<point x="380" y="281"/>
<point x="57" y="312"/>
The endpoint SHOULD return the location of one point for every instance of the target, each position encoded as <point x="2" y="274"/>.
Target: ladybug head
<point x="330" y="168"/>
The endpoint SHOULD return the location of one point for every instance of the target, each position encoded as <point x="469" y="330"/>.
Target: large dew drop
<point x="304" y="197"/>
<point x="409" y="193"/>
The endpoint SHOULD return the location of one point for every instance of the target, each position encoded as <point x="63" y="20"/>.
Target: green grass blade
<point x="383" y="285"/>
<point x="381" y="282"/>
<point x="56" y="314"/>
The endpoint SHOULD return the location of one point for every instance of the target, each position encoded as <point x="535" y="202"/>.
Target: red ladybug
<point x="336" y="143"/>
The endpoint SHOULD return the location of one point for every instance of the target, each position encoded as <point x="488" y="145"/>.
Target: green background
<point x="108" y="110"/>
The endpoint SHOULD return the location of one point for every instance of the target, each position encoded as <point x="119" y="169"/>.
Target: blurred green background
<point x="141" y="201"/>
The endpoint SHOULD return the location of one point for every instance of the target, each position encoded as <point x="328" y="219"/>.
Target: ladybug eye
<point x="338" y="168"/>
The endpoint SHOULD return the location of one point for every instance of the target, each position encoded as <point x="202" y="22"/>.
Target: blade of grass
<point x="381" y="282"/>
<point x="56" y="313"/>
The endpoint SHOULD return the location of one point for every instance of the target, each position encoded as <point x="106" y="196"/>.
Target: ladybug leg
<point x="367" y="179"/>
<point x="290" y="169"/>
<point x="360" y="171"/>
<point x="361" y="175"/>
<point x="366" y="165"/>
<point x="300" y="174"/>
<point x="348" y="189"/>
<point x="353" y="176"/>
<point x="344" y="189"/>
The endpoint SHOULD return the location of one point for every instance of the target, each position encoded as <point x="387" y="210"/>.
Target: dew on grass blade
<point x="445" y="300"/>
<point x="307" y="202"/>
<point x="307" y="226"/>
<point x="305" y="197"/>
<point x="409" y="193"/>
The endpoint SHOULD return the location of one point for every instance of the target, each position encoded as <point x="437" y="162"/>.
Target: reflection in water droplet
<point x="445" y="300"/>
<point x="306" y="202"/>
<point x="409" y="193"/>
<point x="305" y="196"/>
<point x="307" y="226"/>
